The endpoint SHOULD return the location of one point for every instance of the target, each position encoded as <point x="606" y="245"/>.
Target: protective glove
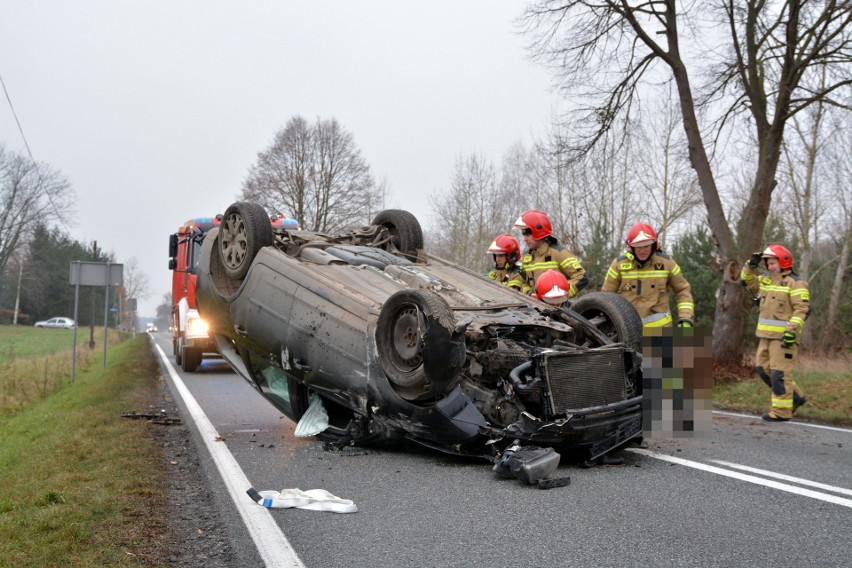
<point x="789" y="339"/>
<point x="755" y="259"/>
<point x="684" y="323"/>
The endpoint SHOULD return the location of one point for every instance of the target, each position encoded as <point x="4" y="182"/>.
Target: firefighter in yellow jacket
<point x="545" y="253"/>
<point x="507" y="263"/>
<point x="643" y="275"/>
<point x="784" y="305"/>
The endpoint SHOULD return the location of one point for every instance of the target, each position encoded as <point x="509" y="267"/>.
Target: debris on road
<point x="156" y="418"/>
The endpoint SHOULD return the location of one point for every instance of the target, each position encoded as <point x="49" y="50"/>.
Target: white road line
<point x="743" y="477"/>
<point x="794" y="422"/>
<point x="273" y="546"/>
<point x="783" y="477"/>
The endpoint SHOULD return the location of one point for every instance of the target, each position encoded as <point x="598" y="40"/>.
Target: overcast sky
<point x="155" y="110"/>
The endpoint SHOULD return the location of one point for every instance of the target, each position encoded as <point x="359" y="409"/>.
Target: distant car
<point x="400" y="344"/>
<point x="66" y="323"/>
<point x="151" y="328"/>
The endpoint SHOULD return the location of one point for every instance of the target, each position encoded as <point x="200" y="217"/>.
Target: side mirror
<point x="173" y="247"/>
<point x="172" y="264"/>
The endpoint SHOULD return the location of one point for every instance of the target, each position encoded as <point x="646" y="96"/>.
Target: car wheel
<point x="245" y="229"/>
<point x="404" y="228"/>
<point x="178" y="349"/>
<point x="613" y="315"/>
<point x="421" y="352"/>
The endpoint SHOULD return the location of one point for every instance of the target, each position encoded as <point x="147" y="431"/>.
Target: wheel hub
<point x="234" y="241"/>
<point x="406" y="338"/>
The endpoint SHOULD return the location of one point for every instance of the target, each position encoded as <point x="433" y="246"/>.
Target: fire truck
<point x="190" y="340"/>
<point x="189" y="331"/>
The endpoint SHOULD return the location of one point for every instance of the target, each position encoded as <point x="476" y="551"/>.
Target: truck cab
<point x="190" y="340"/>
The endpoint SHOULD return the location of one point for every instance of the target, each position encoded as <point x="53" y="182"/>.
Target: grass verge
<point x="35" y="362"/>
<point x="827" y="385"/>
<point x="22" y="342"/>
<point x="78" y="479"/>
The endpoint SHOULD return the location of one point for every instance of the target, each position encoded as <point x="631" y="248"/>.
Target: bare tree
<point x="164" y="312"/>
<point x="801" y="183"/>
<point x="466" y="214"/>
<point x="518" y="186"/>
<point x="29" y="193"/>
<point x="668" y="187"/>
<point x="765" y="73"/>
<point x="316" y="174"/>
<point x="840" y="166"/>
<point x="136" y="285"/>
<point x="610" y="201"/>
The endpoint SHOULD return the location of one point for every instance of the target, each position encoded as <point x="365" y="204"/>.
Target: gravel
<point x="193" y="535"/>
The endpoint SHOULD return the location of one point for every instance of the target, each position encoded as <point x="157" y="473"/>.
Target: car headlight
<point x="196" y="326"/>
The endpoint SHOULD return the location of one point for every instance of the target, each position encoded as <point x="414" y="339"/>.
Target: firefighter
<point x="784" y="305"/>
<point x="544" y="252"/>
<point x="552" y="288"/>
<point x="507" y="263"/>
<point x="643" y="275"/>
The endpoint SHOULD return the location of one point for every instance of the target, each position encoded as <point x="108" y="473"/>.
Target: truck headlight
<point x="196" y="326"/>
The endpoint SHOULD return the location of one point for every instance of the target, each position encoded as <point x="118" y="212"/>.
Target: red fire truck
<point x="190" y="340"/>
<point x="189" y="331"/>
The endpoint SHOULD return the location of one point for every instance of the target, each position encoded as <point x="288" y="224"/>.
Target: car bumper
<point x="591" y="431"/>
<point x="204" y="343"/>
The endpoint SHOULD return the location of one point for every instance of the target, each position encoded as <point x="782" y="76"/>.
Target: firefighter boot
<point x="770" y="417"/>
<point x="798" y="401"/>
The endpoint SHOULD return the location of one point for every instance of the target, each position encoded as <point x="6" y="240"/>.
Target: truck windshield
<point x="195" y="252"/>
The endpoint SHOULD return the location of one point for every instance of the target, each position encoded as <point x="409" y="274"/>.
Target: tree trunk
<point x="729" y="317"/>
<point x="834" y="301"/>
<point x="729" y="325"/>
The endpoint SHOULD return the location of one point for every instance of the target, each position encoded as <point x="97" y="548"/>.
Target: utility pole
<point x="92" y="291"/>
<point x="18" y="292"/>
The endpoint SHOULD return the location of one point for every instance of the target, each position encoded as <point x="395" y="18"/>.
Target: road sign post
<point x="93" y="274"/>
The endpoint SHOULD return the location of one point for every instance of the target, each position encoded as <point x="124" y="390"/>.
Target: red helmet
<point x="537" y="222"/>
<point x="505" y="244"/>
<point x="552" y="287"/>
<point x="784" y="256"/>
<point x="641" y="235"/>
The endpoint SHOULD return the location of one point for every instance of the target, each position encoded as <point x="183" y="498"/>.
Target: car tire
<point x="245" y="229"/>
<point x="404" y="229"/>
<point x="421" y="352"/>
<point x="178" y="350"/>
<point x="613" y="315"/>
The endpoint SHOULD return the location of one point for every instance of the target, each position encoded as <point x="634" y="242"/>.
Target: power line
<point x="18" y="122"/>
<point x="27" y="146"/>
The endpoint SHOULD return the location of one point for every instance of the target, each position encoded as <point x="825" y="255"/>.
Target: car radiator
<point x="584" y="379"/>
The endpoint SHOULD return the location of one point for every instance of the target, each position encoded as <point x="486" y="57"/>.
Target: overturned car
<point x="400" y="344"/>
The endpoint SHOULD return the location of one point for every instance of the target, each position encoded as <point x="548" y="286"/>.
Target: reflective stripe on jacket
<point x="784" y="302"/>
<point x="646" y="286"/>
<point x="555" y="257"/>
<point x="513" y="278"/>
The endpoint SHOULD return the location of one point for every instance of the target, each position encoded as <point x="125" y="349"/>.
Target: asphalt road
<point x="686" y="502"/>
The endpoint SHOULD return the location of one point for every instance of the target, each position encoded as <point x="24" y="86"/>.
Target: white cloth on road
<point x="313" y="500"/>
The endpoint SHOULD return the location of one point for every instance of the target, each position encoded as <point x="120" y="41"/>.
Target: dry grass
<point x="840" y="364"/>
<point x="27" y="379"/>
